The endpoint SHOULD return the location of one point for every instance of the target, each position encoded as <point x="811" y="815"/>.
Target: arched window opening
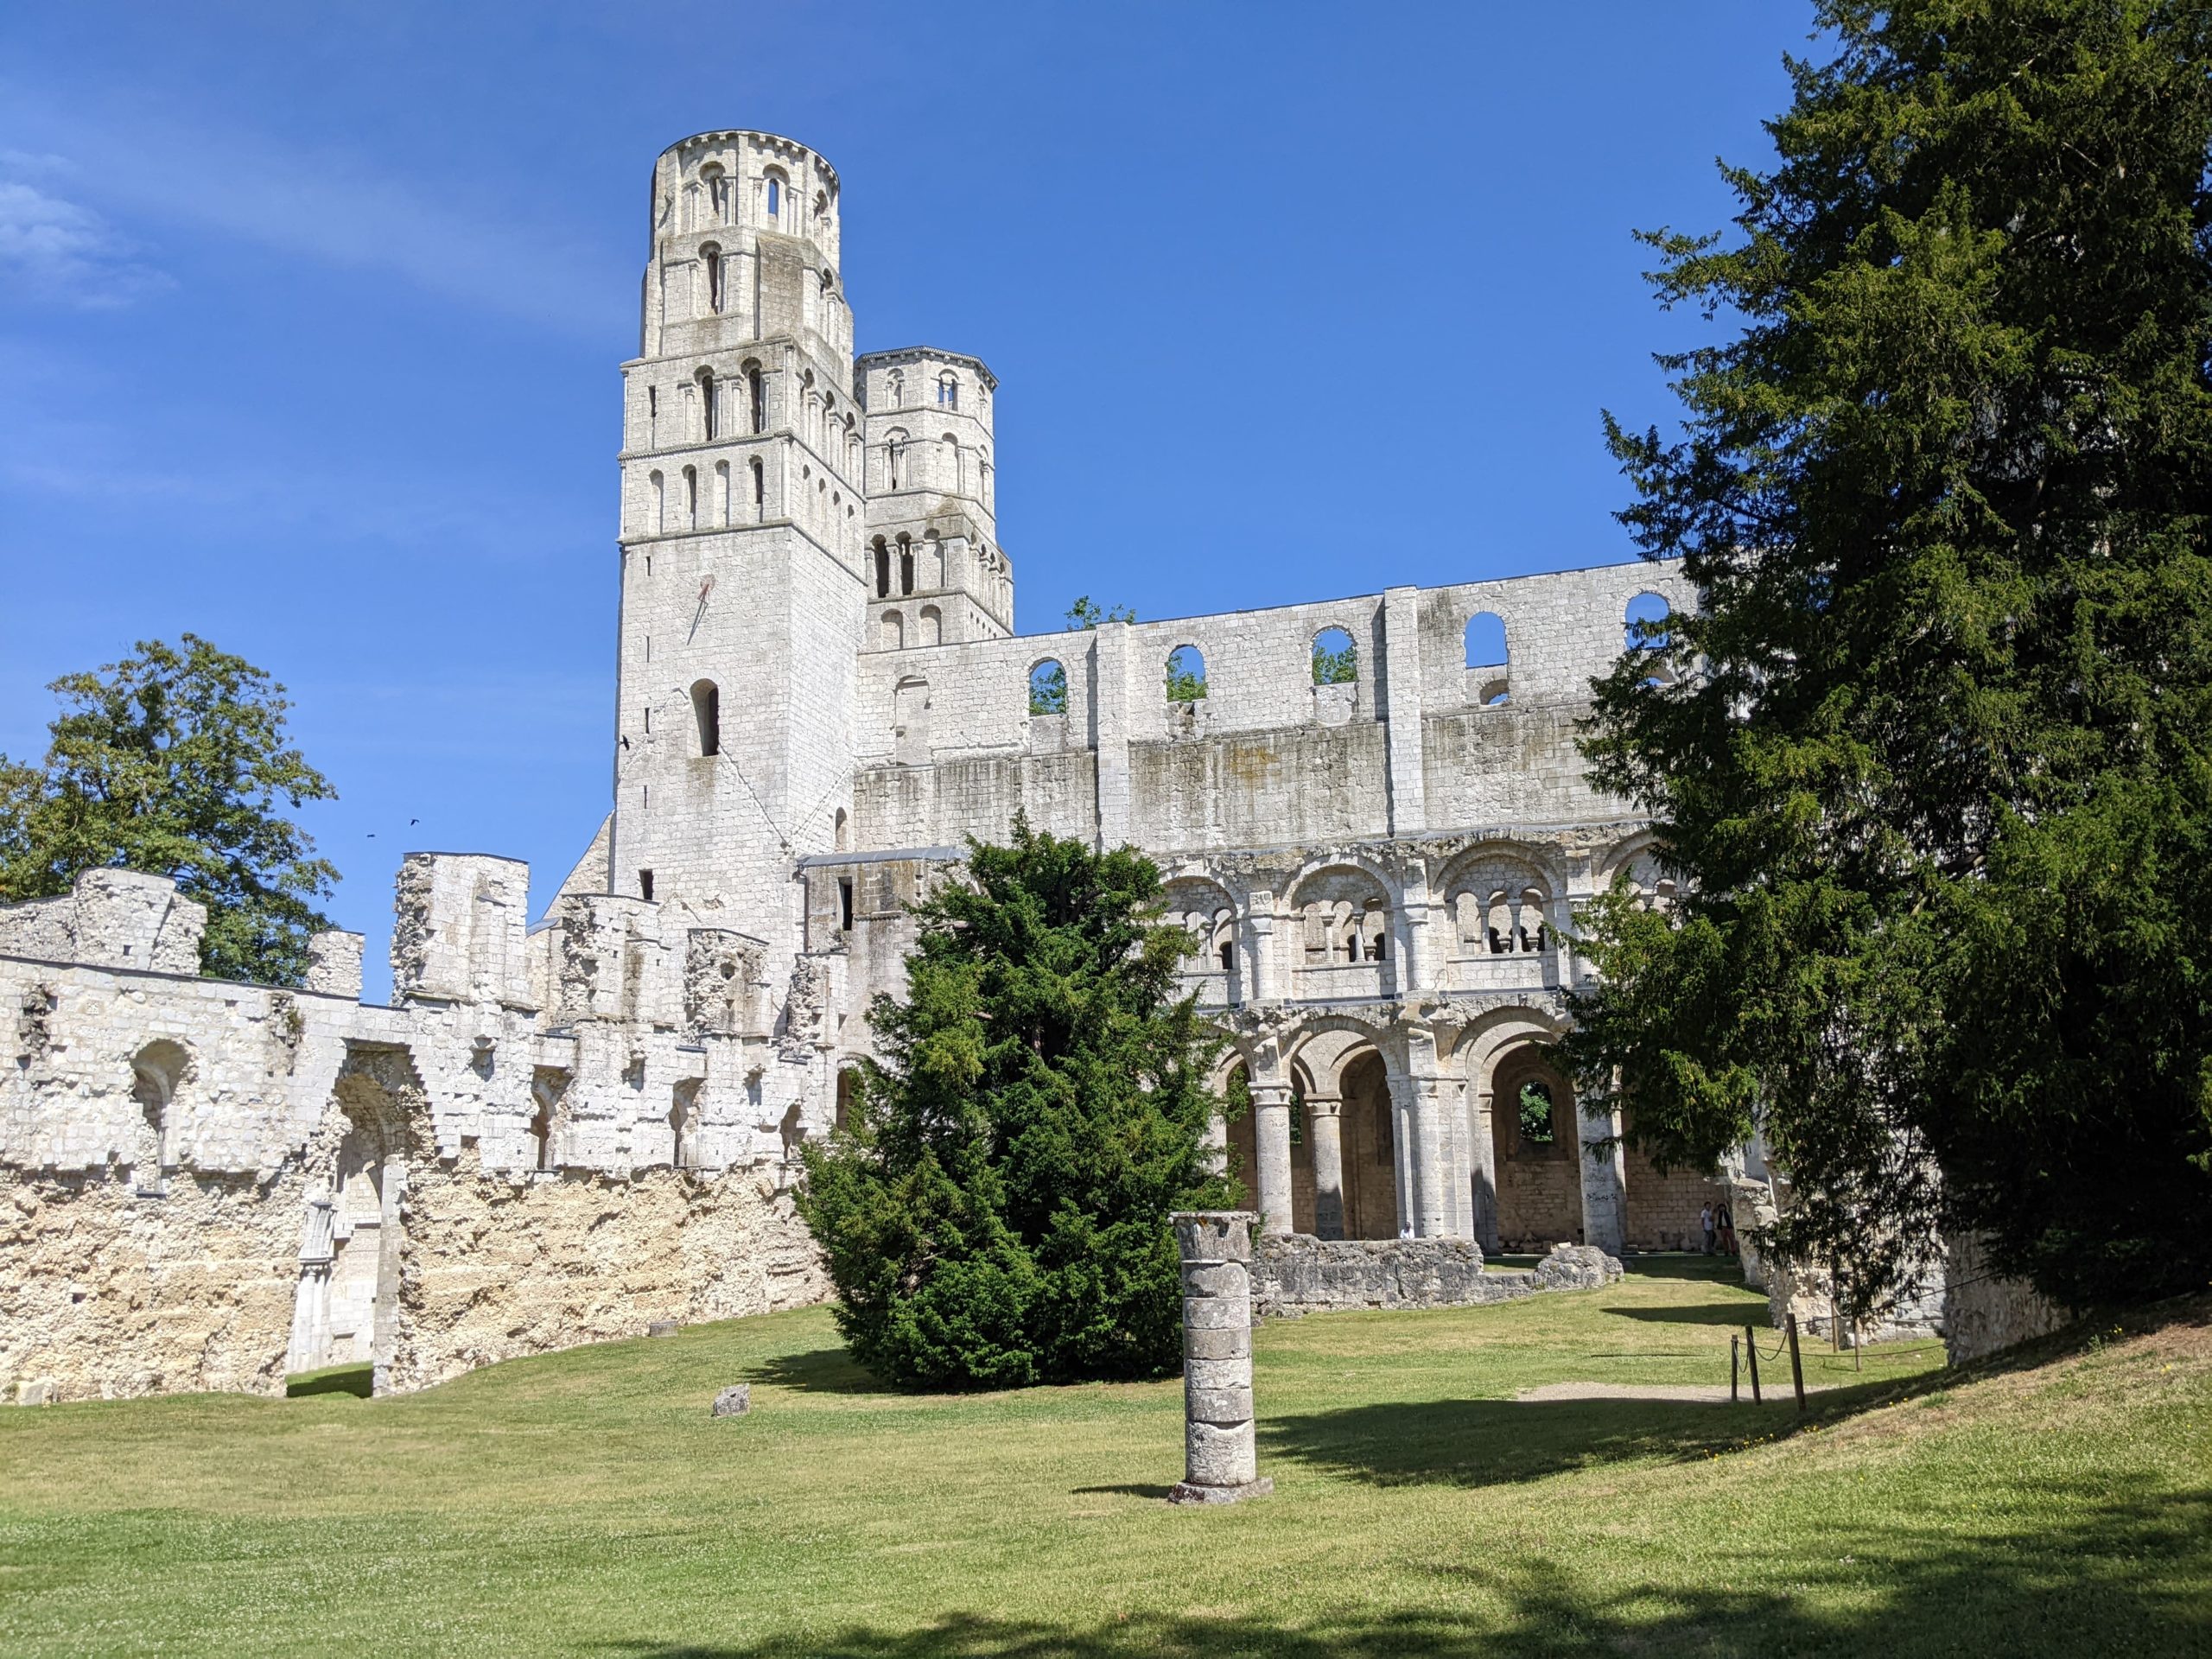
<point x="713" y="255"/>
<point x="707" y="710"/>
<point x="717" y="183"/>
<point x="848" y="1096"/>
<point x="839" y="830"/>
<point x="1646" y="623"/>
<point x="657" y="487"/>
<point x="760" y="492"/>
<point x="1186" y="675"/>
<point x="1538" y="1113"/>
<point x="905" y="566"/>
<point x="894" y="631"/>
<point x="721" y="493"/>
<point x="756" y="398"/>
<point x="882" y="569"/>
<point x="706" y="402"/>
<point x="897" y="385"/>
<point x="157" y="1070"/>
<point x="1336" y="659"/>
<point x="1486" y="640"/>
<point x="950" y="448"/>
<point x="895" y="459"/>
<point x="691" y="497"/>
<point x="933" y="629"/>
<point x="948" y="389"/>
<point x="775" y="197"/>
<point x="1048" y="689"/>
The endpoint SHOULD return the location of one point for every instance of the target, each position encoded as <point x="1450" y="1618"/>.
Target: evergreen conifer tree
<point x="994" y="1210"/>
<point x="1934" y="745"/>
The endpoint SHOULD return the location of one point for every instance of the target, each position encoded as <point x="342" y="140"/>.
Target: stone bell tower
<point x="742" y="540"/>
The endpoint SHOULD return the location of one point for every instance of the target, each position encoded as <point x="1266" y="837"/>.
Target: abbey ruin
<point x="1371" y="813"/>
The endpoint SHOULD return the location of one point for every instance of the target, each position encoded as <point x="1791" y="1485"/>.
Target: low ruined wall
<point x="1294" y="1274"/>
<point x="1984" y="1310"/>
<point x="104" y="1295"/>
<point x="494" y="1267"/>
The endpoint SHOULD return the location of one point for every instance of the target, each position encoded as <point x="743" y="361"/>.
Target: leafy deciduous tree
<point x="173" y="762"/>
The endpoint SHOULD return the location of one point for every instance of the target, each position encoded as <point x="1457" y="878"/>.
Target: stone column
<point x="1271" y="1145"/>
<point x="1261" y="976"/>
<point x="1220" y="1456"/>
<point x="1324" y="1122"/>
<point x="1604" y="1179"/>
<point x="1483" y="1137"/>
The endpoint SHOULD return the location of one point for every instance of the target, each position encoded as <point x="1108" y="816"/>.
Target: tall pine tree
<point x="1932" y="748"/>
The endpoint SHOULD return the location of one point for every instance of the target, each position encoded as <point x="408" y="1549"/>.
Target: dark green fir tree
<point x="1934" y="747"/>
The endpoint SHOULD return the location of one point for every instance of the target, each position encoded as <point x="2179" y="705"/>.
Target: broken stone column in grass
<point x="1221" y="1458"/>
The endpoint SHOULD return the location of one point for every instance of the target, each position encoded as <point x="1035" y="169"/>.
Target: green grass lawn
<point x="585" y="1502"/>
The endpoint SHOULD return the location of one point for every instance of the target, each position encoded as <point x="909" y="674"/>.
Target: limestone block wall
<point x="204" y="1185"/>
<point x="498" y="1266"/>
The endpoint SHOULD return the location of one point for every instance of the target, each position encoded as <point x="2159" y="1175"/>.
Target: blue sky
<point x="309" y="318"/>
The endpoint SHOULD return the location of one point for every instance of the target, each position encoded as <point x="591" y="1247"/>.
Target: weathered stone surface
<point x="734" y="1401"/>
<point x="1217" y="1344"/>
<point x="1577" y="1267"/>
<point x="1983" y="1310"/>
<point x="1184" y="1491"/>
<point x="1218" y="1454"/>
<point x="1215" y="1278"/>
<point x="1225" y="1406"/>
<point x="1230" y="1372"/>
<point x="1214" y="1314"/>
<point x="662" y="1328"/>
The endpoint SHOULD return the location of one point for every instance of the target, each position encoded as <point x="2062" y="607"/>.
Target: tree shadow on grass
<point x="2127" y="1569"/>
<point x="819" y="1370"/>
<point x="1725" y="1268"/>
<point x="1736" y="1315"/>
<point x="1500" y="1442"/>
<point x="356" y="1380"/>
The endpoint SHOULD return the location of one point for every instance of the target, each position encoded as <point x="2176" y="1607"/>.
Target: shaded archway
<point x="347" y="1309"/>
<point x="1371" y="1160"/>
<point x="1538" y="1153"/>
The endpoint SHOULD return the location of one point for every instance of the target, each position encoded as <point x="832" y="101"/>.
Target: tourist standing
<point x="1705" y="1221"/>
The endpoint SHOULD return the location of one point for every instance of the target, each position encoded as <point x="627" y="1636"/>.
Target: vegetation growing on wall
<point x="1934" y="746"/>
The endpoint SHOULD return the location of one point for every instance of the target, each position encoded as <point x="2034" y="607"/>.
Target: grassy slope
<point x="585" y="1502"/>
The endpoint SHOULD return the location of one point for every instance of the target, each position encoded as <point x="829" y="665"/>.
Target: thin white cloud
<point x="57" y="251"/>
<point x="490" y="249"/>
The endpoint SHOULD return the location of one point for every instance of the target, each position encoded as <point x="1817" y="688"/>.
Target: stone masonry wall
<point x="496" y="1267"/>
<point x="107" y="1295"/>
<point x="1294" y="1274"/>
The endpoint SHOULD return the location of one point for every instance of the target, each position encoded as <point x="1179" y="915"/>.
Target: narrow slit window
<point x="845" y="905"/>
<point x="707" y="708"/>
